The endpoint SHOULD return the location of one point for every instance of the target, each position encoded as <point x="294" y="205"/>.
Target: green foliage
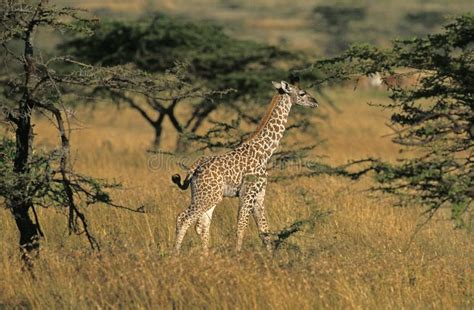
<point x="434" y="115"/>
<point x="214" y="61"/>
<point x="42" y="184"/>
<point x="156" y="43"/>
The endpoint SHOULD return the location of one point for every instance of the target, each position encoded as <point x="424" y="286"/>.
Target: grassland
<point x="352" y="254"/>
<point x="352" y="257"/>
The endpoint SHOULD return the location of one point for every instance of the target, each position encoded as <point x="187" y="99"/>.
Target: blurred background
<point x="317" y="27"/>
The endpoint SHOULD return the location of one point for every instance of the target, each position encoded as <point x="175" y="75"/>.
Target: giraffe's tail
<point x="177" y="180"/>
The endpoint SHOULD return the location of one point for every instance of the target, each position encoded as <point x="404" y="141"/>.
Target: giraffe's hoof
<point x="175" y="252"/>
<point x="269" y="241"/>
<point x="270" y="247"/>
<point x="198" y="230"/>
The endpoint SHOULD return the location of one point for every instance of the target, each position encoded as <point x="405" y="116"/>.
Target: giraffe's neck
<point x="266" y="138"/>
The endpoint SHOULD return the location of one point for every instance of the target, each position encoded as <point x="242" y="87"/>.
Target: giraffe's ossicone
<point x="241" y="173"/>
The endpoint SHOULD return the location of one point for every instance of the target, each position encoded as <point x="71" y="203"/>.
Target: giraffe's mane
<point x="266" y="117"/>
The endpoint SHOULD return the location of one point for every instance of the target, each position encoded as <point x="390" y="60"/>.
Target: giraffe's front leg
<point x="253" y="190"/>
<point x="258" y="211"/>
<point x="245" y="208"/>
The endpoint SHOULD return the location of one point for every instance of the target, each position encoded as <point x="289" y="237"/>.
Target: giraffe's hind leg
<point x="183" y="221"/>
<point x="203" y="226"/>
<point x="201" y="208"/>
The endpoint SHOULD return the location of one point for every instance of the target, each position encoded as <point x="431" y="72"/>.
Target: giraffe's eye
<point x="302" y="93"/>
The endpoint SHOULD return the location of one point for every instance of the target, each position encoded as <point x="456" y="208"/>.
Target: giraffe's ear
<point x="276" y="85"/>
<point x="285" y="86"/>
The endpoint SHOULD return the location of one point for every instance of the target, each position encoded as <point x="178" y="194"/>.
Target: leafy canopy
<point x="156" y="43"/>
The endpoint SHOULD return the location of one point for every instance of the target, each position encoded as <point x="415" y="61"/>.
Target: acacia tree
<point x="215" y="60"/>
<point x="31" y="82"/>
<point x="434" y="116"/>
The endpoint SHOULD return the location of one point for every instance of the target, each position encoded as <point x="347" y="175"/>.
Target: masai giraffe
<point x="241" y="173"/>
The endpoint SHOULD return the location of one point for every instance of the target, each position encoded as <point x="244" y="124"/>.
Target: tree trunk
<point x="158" y="127"/>
<point x="157" y="140"/>
<point x="20" y="206"/>
<point x="29" y="235"/>
<point x="181" y="145"/>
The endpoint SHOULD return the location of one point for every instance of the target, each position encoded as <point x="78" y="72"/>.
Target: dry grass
<point x="352" y="258"/>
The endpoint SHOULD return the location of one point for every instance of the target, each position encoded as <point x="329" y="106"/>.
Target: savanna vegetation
<point x="370" y="194"/>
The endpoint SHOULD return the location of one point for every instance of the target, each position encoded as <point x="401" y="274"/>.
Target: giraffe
<point x="241" y="173"/>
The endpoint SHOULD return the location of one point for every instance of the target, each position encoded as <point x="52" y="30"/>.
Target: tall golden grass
<point x="353" y="257"/>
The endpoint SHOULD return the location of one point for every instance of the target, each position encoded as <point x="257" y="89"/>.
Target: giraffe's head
<point x="297" y="95"/>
